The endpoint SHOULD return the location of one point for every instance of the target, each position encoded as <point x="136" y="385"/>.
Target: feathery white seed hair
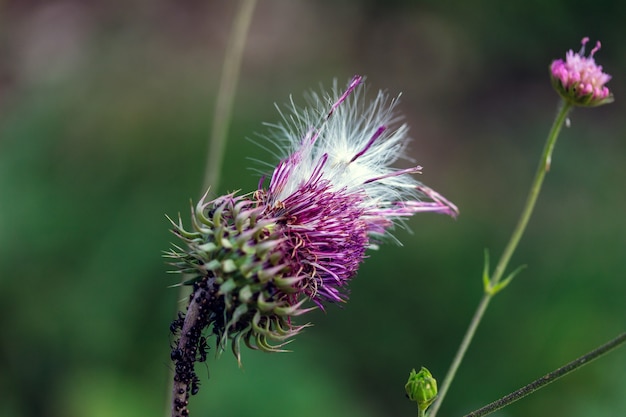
<point x="340" y="134"/>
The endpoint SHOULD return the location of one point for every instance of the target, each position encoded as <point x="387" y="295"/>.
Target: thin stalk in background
<point x="224" y="103"/>
<point x="226" y="94"/>
<point x="221" y="123"/>
<point x="495" y="283"/>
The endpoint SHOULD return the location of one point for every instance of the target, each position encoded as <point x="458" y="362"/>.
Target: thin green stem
<point x="460" y="354"/>
<point x="542" y="169"/>
<point x="224" y="102"/>
<point x="544" y="166"/>
<point x="221" y="120"/>
<point x="226" y="94"/>
<point x="549" y="378"/>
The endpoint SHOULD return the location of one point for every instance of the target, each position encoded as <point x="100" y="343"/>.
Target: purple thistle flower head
<point x="334" y="193"/>
<point x="255" y="259"/>
<point x="579" y="80"/>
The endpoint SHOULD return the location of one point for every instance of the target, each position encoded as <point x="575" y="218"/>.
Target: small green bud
<point x="421" y="388"/>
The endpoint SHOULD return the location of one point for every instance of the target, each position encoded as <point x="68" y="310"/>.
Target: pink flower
<point x="579" y="80"/>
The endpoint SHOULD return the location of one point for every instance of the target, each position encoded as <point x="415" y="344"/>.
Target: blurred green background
<point x="105" y="109"/>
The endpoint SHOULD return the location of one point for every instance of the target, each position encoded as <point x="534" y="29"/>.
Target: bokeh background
<point x="105" y="109"/>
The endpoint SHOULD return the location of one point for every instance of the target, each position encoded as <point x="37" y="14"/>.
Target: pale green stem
<point x="221" y="118"/>
<point x="544" y="166"/>
<point x="226" y="94"/>
<point x="224" y="103"/>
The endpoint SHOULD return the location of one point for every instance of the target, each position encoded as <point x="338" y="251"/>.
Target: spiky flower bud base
<point x="237" y="252"/>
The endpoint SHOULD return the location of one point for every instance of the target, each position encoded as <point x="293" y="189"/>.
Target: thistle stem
<point x="185" y="359"/>
<point x="542" y="169"/>
<point x="550" y="377"/>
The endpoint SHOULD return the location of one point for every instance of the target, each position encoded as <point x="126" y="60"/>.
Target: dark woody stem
<point x="189" y="347"/>
<point x="549" y="378"/>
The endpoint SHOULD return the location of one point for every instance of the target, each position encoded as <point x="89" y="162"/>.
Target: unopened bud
<point x="421" y="388"/>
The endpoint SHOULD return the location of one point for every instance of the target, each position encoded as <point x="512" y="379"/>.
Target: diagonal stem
<point x="542" y="169"/>
<point x="550" y="377"/>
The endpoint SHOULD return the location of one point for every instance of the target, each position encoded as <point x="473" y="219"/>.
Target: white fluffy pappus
<point x="351" y="143"/>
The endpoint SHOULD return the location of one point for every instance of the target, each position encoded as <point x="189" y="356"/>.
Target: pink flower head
<point x="579" y="80"/>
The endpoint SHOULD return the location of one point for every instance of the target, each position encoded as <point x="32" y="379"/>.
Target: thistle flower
<point x="255" y="259"/>
<point x="579" y="80"/>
